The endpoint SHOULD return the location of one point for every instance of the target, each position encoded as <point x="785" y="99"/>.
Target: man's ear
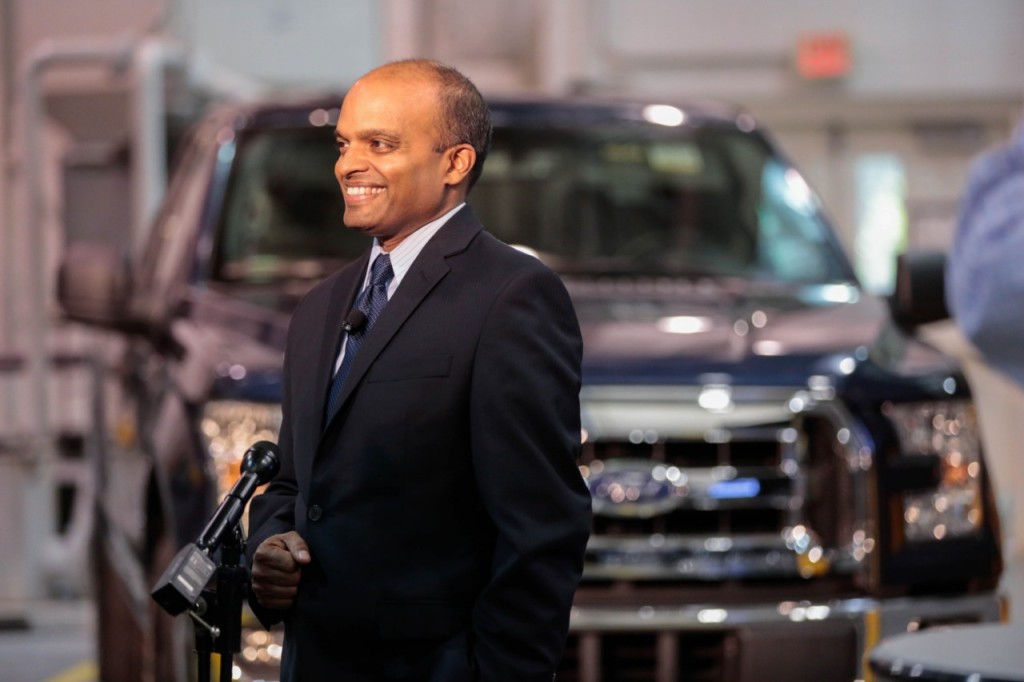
<point x="461" y="159"/>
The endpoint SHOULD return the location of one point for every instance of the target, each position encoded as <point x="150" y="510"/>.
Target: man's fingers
<point x="277" y="569"/>
<point x="274" y="596"/>
<point x="271" y="556"/>
<point x="269" y="592"/>
<point x="297" y="546"/>
<point x="271" y="573"/>
<point x="282" y="552"/>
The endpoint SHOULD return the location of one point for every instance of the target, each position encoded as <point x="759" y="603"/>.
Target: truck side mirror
<point x="94" y="284"/>
<point x="919" y="296"/>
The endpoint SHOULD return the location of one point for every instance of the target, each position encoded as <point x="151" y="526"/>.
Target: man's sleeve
<point x="985" y="279"/>
<point x="525" y="424"/>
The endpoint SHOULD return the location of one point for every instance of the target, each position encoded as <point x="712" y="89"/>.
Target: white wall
<point x="948" y="48"/>
<point x="307" y="44"/>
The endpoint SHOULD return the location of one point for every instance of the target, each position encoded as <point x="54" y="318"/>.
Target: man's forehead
<point x="403" y="70"/>
<point x="399" y="78"/>
<point x="386" y="106"/>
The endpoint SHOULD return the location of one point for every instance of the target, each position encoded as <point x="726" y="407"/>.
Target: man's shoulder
<point x="321" y="292"/>
<point x="997" y="166"/>
<point x="505" y="260"/>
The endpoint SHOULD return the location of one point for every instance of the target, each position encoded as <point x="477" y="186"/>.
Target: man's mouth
<point x="363" y="191"/>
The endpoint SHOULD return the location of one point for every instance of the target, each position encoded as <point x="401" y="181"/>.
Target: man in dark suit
<point x="429" y="521"/>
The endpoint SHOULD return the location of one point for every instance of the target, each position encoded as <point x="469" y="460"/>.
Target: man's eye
<point x="381" y="145"/>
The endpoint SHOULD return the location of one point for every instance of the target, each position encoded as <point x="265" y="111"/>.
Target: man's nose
<point x="352" y="160"/>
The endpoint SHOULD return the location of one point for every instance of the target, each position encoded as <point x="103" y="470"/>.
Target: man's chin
<point x="357" y="224"/>
<point x="368" y="229"/>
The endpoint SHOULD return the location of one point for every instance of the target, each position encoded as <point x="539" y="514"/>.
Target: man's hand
<point x="276" y="569"/>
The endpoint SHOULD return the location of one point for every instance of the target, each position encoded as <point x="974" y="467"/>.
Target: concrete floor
<point x="48" y="641"/>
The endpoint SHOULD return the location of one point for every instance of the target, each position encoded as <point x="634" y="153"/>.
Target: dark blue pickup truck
<point x="780" y="475"/>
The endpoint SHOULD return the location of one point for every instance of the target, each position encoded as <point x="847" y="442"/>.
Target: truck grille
<point x="681" y="492"/>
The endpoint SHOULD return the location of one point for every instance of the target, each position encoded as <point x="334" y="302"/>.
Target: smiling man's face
<point x="393" y="178"/>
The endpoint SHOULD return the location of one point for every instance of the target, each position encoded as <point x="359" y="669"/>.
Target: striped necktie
<point x="371" y="302"/>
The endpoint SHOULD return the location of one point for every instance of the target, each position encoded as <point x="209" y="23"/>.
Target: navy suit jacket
<point x="442" y="505"/>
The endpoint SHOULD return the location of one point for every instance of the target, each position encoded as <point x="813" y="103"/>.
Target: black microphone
<point x="190" y="571"/>
<point x="260" y="463"/>
<point x="355" y="321"/>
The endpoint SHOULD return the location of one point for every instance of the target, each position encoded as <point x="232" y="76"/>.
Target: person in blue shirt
<point x="985" y="271"/>
<point x="985" y="296"/>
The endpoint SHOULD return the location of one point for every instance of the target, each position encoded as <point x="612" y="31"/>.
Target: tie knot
<point x="381" y="272"/>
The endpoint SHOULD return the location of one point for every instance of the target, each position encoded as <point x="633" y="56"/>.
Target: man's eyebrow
<point x="376" y="132"/>
<point x="368" y="134"/>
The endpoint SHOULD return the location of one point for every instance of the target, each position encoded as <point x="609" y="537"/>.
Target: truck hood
<point x="666" y="332"/>
<point x="685" y="332"/>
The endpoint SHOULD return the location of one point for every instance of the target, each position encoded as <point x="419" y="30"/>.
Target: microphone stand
<point x="185" y="584"/>
<point x="217" y="616"/>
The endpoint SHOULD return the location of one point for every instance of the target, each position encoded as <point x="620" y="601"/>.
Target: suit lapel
<point x="429" y="268"/>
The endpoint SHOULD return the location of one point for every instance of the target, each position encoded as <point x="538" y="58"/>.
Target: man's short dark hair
<point x="465" y="117"/>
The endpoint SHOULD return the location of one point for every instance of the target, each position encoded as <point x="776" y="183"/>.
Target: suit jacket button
<point x="315" y="512"/>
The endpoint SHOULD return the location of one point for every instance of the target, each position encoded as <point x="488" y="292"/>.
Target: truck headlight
<point x="948" y="429"/>
<point x="230" y="428"/>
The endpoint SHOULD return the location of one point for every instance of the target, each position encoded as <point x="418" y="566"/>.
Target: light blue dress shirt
<point x="985" y="268"/>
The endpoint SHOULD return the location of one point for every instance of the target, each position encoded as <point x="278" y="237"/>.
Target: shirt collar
<point x="403" y="255"/>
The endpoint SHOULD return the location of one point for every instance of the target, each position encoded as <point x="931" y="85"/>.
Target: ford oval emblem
<point x="635" y="488"/>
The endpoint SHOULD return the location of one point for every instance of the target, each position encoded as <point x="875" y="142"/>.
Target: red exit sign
<point x="823" y="56"/>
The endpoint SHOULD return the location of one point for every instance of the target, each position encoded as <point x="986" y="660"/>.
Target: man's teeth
<point x="362" y="191"/>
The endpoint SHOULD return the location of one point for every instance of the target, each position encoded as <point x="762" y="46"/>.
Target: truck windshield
<point x="640" y="199"/>
<point x="628" y="199"/>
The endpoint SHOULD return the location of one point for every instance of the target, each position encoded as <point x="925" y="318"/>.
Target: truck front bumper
<point x="805" y="640"/>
